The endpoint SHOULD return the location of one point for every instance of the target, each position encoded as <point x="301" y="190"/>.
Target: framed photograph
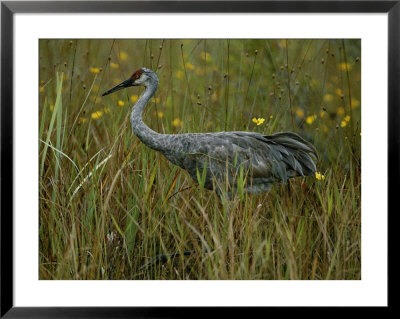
<point x="163" y="155"/>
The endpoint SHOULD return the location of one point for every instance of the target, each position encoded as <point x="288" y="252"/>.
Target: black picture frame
<point x="9" y="8"/>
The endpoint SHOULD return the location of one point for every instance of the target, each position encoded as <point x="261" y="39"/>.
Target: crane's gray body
<point x="264" y="160"/>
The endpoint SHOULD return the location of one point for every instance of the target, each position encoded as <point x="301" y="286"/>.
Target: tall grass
<point x="109" y="204"/>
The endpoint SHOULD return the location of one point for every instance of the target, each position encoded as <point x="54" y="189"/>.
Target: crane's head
<point x="141" y="77"/>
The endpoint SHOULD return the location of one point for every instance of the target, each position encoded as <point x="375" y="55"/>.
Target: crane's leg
<point x="163" y="258"/>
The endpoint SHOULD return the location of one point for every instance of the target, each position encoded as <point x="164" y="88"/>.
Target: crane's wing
<point x="266" y="159"/>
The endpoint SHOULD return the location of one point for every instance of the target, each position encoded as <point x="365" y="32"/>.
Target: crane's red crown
<point x="136" y="74"/>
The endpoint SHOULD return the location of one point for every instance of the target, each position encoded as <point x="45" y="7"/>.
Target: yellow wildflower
<point x="114" y="65"/>
<point x="322" y="114"/>
<point x="121" y="103"/>
<point x="95" y="70"/>
<point x="300" y="113"/>
<point x="319" y="176"/>
<point x="205" y="56"/>
<point x="177" y="122"/>
<point x="160" y="114"/>
<point x="97" y="115"/>
<point x="339" y="91"/>
<point x="51" y="107"/>
<point x="41" y="89"/>
<point x="180" y="74"/>
<point x="328" y="97"/>
<point x="345" y="66"/>
<point x="106" y="110"/>
<point x="123" y="56"/>
<point x="355" y="102"/>
<point x="156" y="100"/>
<point x="134" y="98"/>
<point x="83" y="120"/>
<point x="345" y="121"/>
<point x="310" y="119"/>
<point x="340" y="110"/>
<point x="258" y="121"/>
<point x="271" y="117"/>
<point x="189" y="66"/>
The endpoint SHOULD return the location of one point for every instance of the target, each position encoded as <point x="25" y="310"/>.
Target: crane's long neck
<point x="149" y="137"/>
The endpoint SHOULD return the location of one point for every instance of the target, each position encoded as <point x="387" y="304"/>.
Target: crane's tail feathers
<point x="296" y="152"/>
<point x="293" y="140"/>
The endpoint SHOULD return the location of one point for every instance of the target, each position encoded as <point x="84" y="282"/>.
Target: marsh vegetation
<point x="108" y="203"/>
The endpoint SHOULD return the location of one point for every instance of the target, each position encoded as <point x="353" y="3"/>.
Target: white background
<point x="371" y="290"/>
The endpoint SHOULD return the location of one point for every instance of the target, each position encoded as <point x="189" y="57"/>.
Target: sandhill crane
<point x="265" y="159"/>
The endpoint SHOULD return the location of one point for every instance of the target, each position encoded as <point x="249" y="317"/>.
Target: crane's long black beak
<point x="125" y="84"/>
